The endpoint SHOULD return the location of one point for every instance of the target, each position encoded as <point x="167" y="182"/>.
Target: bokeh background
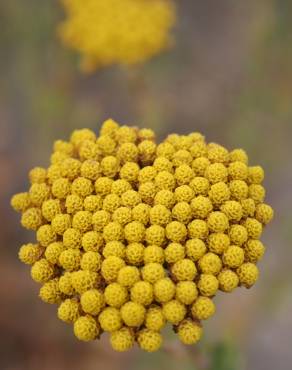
<point x="228" y="76"/>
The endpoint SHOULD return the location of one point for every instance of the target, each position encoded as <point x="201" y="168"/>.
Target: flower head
<point x="132" y="235"/>
<point x="117" y="32"/>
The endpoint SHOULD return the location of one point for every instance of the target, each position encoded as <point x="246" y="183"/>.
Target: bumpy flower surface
<point x="115" y="32"/>
<point x="132" y="235"/>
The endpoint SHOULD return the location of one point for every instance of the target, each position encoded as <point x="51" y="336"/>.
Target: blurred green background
<point x="229" y="76"/>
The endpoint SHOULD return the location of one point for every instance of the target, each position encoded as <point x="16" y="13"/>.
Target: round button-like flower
<point x="203" y="308"/>
<point x="248" y="274"/>
<point x="73" y="203"/>
<point x="174" y="252"/>
<point x="165" y="198"/>
<point x="238" y="189"/>
<point x="115" y="295"/>
<point x="233" y="210"/>
<point x="42" y="271"/>
<point x="182" y="212"/>
<point x="142" y="293"/>
<point x="238" y="155"/>
<point x="208" y="285"/>
<point x="217" y="222"/>
<point x="141" y="213"/>
<point x="200" y="165"/>
<point x="216" y="172"/>
<point x="133" y="314"/>
<point x="154" y="319"/>
<point x="128" y="276"/>
<point x="46" y="235"/>
<point x="50" y="292"/>
<point x="82" y="221"/>
<point x="65" y="284"/>
<point x="255" y="174"/>
<point x="238" y="234"/>
<point x="233" y="257"/>
<point x="92" y="241"/>
<point x="162" y="164"/>
<point x="72" y="238"/>
<point x="20" y="202"/>
<point x="60" y="223"/>
<point x="147" y="174"/>
<point x="135" y="253"/>
<point x="195" y="249"/>
<point x="30" y="253"/>
<point x="82" y="187"/>
<point x="174" y="311"/>
<point x="68" y="310"/>
<point x="219" y="193"/>
<point x="147" y="191"/>
<point x="198" y="229"/>
<point x="53" y="251"/>
<point x="184" y="269"/>
<point x="160" y="215"/>
<point x="122" y="340"/>
<point x="85" y="328"/>
<point x="200" y="185"/>
<point x="83" y="280"/>
<point x="129" y="171"/>
<point x="176" y="231"/>
<point x="165" y="181"/>
<point x="264" y="213"/>
<point x="114" y="248"/>
<point x="131" y="198"/>
<point x="164" y="290"/>
<point x="186" y="292"/>
<point x="70" y="259"/>
<point x="217" y="153"/>
<point x="149" y="340"/>
<point x="111" y="202"/>
<point x="218" y="242"/>
<point x="201" y="206"/>
<point x="153" y="253"/>
<point x="110" y="268"/>
<point x="155" y="234"/>
<point x="113" y="231"/>
<point x="91" y="261"/>
<point x="38" y="175"/>
<point x="134" y="232"/>
<point x="50" y="208"/>
<point x="210" y="263"/>
<point x="189" y="332"/>
<point x="31" y="219"/>
<point x="228" y="280"/>
<point x="92" y="301"/>
<point x="254" y="250"/>
<point x="153" y="272"/>
<point x="238" y="171"/>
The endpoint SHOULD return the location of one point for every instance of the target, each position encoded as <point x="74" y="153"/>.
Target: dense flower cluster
<point x="132" y="235"/>
<point x="117" y="32"/>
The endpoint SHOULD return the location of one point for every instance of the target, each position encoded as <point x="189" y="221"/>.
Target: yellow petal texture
<point x="133" y="235"/>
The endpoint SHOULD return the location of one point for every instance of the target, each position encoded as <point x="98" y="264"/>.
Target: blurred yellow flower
<point x="116" y="31"/>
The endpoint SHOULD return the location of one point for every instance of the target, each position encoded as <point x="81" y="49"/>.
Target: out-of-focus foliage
<point x="224" y="356"/>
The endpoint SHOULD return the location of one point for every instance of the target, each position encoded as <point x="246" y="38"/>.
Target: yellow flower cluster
<point x="117" y="32"/>
<point x="132" y="235"/>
